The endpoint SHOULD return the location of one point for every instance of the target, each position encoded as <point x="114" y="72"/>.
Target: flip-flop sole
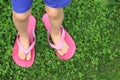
<point x="68" y="39"/>
<point x="17" y="60"/>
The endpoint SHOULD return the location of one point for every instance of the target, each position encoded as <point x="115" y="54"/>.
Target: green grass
<point x="95" y="27"/>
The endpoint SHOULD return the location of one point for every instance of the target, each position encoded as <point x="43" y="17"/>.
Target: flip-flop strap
<point x="59" y="46"/>
<point x="26" y="51"/>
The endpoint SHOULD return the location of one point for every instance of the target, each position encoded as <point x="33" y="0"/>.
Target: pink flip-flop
<point x="64" y="36"/>
<point x="17" y="46"/>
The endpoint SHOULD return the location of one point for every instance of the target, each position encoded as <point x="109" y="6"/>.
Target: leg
<point x="56" y="16"/>
<point x="21" y="22"/>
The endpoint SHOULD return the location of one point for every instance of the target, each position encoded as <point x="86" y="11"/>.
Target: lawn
<point x="95" y="27"/>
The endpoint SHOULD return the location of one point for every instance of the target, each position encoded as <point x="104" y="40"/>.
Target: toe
<point x="28" y="57"/>
<point x="21" y="55"/>
<point x="65" y="48"/>
<point x="60" y="52"/>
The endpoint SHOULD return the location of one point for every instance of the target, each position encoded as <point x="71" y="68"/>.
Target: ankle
<point x="55" y="32"/>
<point x="24" y="34"/>
<point x="55" y="35"/>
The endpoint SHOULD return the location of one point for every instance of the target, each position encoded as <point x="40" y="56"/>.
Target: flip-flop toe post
<point x="64" y="37"/>
<point x="17" y="46"/>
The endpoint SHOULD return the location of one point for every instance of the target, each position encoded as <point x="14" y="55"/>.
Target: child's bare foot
<point x="56" y="40"/>
<point x="24" y="40"/>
